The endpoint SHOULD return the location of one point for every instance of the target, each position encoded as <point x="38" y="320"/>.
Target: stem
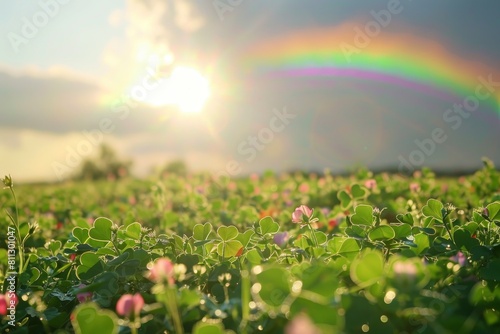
<point x="20" y="242"/>
<point x="448" y="230"/>
<point x="245" y="301"/>
<point x="173" y="309"/>
<point x="315" y="240"/>
<point x="488" y="239"/>
<point x="113" y="241"/>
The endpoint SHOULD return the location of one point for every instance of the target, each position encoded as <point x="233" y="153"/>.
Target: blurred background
<point x="241" y="86"/>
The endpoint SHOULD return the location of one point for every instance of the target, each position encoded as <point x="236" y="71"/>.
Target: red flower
<point x="162" y="270"/>
<point x="332" y="223"/>
<point x="3" y="305"/>
<point x="84" y="296"/>
<point x="8" y="302"/>
<point x="370" y="184"/>
<point x="129" y="305"/>
<point x="301" y="324"/>
<point x="304" y="187"/>
<point x="240" y="251"/>
<point x="12" y="298"/>
<point x="303" y="210"/>
<point x="414" y="187"/>
<point x="280" y="239"/>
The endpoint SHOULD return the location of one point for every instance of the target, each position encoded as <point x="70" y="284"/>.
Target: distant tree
<point x="176" y="167"/>
<point x="106" y="165"/>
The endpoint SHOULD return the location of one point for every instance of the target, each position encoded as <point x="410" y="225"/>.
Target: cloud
<point x="50" y="102"/>
<point x="57" y="101"/>
<point x="161" y="26"/>
<point x="30" y="155"/>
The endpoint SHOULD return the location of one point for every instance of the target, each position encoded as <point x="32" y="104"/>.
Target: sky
<point x="242" y="86"/>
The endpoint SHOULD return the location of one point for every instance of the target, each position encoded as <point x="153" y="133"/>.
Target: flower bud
<point x="3" y="305"/>
<point x="129" y="305"/>
<point x="84" y="296"/>
<point x="303" y="210"/>
<point x="280" y="239"/>
<point x="161" y="271"/>
<point x="7" y="181"/>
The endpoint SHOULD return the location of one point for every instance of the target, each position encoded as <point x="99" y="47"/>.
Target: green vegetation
<point x="285" y="253"/>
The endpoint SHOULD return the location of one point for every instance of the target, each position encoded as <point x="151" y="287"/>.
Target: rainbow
<point x="398" y="59"/>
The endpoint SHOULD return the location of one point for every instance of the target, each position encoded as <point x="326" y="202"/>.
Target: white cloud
<point x="187" y="17"/>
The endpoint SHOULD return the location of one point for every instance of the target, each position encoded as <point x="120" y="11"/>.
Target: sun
<point x="190" y="88"/>
<point x="185" y="88"/>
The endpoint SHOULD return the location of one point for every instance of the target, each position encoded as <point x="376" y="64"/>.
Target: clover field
<point x="288" y="253"/>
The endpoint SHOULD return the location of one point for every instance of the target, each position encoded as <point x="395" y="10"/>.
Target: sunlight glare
<point x="186" y="88"/>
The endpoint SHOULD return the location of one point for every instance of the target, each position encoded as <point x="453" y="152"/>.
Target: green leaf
<point x="189" y="298"/>
<point x="253" y="256"/>
<point x="382" y="232"/>
<point x="90" y="266"/>
<point x="274" y="285"/>
<point x="89" y="259"/>
<point x="90" y="319"/>
<point x="463" y="238"/>
<point x="234" y="203"/>
<point x="201" y="232"/>
<point x="493" y="211"/>
<point x="334" y="244"/>
<point x="367" y="268"/>
<point x="363" y="215"/>
<point x="350" y="245"/>
<point x="492" y="316"/>
<point x="35" y="274"/>
<point x="483" y="294"/>
<point x="357" y="231"/>
<point x="401" y="230"/>
<point x="227" y="232"/>
<point x="268" y="225"/>
<point x="471" y="227"/>
<point x="344" y="198"/>
<point x="134" y="231"/>
<point x="492" y="271"/>
<point x="407" y="218"/>
<point x="208" y="328"/>
<point x="118" y="260"/>
<point x="318" y="312"/>
<point x="422" y="242"/>
<point x="82" y="234"/>
<point x="55" y="245"/>
<point x="322" y="280"/>
<point x="229" y="248"/>
<point x="479" y="253"/>
<point x="217" y="205"/>
<point x="101" y="229"/>
<point x="428" y="230"/>
<point x="321" y="237"/>
<point x="128" y="268"/>
<point x="244" y="238"/>
<point x="433" y="209"/>
<point x="97" y="243"/>
<point x="428" y="221"/>
<point x="358" y="191"/>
